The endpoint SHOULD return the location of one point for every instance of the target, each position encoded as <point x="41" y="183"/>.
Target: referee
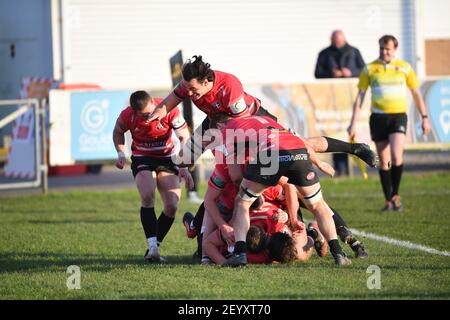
<point x="389" y="79"/>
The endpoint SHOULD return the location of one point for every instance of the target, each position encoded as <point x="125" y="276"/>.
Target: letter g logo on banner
<point x="94" y="116"/>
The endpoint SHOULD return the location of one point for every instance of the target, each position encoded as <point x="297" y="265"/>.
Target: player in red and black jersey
<point x="273" y="152"/>
<point x="151" y="163"/>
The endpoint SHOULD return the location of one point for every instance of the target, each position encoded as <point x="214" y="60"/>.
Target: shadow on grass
<point x="369" y="295"/>
<point x="79" y="221"/>
<point x="38" y="262"/>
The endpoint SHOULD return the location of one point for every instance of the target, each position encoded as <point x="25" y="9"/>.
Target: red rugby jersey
<point x="227" y="95"/>
<point x="148" y="140"/>
<point x="220" y="180"/>
<point x="264" y="131"/>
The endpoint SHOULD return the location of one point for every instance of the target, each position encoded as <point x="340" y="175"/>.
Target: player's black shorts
<point x="143" y="163"/>
<point x="293" y="164"/>
<point x="382" y="125"/>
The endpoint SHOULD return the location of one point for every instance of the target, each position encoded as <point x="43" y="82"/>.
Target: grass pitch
<point x="100" y="231"/>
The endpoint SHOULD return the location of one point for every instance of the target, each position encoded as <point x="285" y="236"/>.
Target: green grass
<point x="100" y="231"/>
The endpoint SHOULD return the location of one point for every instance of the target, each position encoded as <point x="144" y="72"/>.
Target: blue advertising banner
<point x="438" y="102"/>
<point x="93" y="117"/>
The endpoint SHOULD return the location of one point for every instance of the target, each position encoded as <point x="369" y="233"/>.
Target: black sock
<point x="300" y="215"/>
<point x="312" y="233"/>
<point x="149" y="223"/>
<point x="164" y="224"/>
<point x="240" y="247"/>
<point x="335" y="145"/>
<point x="199" y="243"/>
<point x="335" y="248"/>
<point x="396" y="175"/>
<point x="198" y="219"/>
<point x="386" y="183"/>
<point x="341" y="228"/>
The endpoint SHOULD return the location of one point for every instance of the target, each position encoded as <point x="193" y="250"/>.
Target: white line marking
<point x="399" y="243"/>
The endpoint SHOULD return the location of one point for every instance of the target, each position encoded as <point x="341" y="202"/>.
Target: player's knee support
<point x="247" y="194"/>
<point x="313" y="198"/>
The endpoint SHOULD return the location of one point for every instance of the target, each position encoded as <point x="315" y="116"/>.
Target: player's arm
<point x="212" y="194"/>
<point x="292" y="203"/>
<point x="119" y="143"/>
<point x="162" y="109"/>
<point x="183" y="135"/>
<point x="211" y="247"/>
<point x="420" y="105"/>
<point x="323" y="166"/>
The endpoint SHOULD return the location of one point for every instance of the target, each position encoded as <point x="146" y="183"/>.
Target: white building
<point x="127" y="44"/>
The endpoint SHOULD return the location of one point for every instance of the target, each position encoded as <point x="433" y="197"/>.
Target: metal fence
<point x="39" y="156"/>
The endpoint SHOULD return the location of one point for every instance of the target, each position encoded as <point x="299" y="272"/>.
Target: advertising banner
<point x="93" y="117"/>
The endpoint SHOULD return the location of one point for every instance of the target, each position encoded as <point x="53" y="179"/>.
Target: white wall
<point x="436" y="19"/>
<point x="126" y="44"/>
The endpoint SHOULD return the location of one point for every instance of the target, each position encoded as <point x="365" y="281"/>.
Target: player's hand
<point x="121" y="160"/>
<point x="187" y="177"/>
<point x="298" y="225"/>
<point x="326" y="168"/>
<point x="227" y="234"/>
<point x="281" y="216"/>
<point x="157" y="114"/>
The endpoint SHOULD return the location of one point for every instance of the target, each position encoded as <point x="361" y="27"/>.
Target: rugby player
<point x="152" y="165"/>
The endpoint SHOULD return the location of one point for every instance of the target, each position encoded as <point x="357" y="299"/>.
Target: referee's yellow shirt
<point x="389" y="83"/>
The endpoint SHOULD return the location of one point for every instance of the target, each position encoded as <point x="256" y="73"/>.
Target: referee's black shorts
<point x="382" y="125"/>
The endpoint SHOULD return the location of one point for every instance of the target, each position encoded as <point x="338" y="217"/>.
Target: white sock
<point x="151" y="242"/>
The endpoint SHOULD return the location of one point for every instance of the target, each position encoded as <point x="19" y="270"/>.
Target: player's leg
<point x="208" y="226"/>
<point x="328" y="144"/>
<point x="347" y="236"/>
<point x="193" y="225"/>
<point x="397" y="142"/>
<point x="169" y="188"/>
<point x="384" y="152"/>
<point x="212" y="245"/>
<point x="146" y="185"/>
<point x="315" y="203"/>
<point x="247" y="194"/>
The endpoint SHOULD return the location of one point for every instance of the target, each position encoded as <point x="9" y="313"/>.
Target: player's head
<point x="388" y="47"/>
<point x="198" y="77"/>
<point x="256" y="239"/>
<point x="218" y="120"/>
<point x="281" y="248"/>
<point x="141" y="102"/>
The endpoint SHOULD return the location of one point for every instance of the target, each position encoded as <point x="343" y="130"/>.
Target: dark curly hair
<point x="196" y="68"/>
<point x="281" y="248"/>
<point x="256" y="239"/>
